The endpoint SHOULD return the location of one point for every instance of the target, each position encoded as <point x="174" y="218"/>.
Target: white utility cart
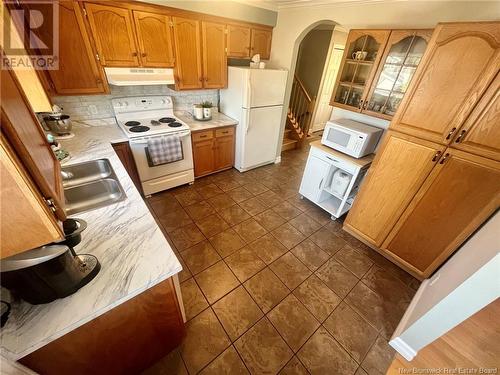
<point x="331" y="179"/>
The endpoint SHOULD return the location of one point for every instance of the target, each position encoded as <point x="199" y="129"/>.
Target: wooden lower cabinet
<point x="460" y="194"/>
<point x="213" y="150"/>
<point x="125" y="340"/>
<point x="124" y="153"/>
<point x="401" y="166"/>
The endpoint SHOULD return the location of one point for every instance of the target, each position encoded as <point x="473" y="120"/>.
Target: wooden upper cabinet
<point x="481" y="132"/>
<point x="364" y="49"/>
<point x="79" y="71"/>
<point x="25" y="134"/>
<point x="154" y="34"/>
<point x="460" y="193"/>
<point x="403" y="53"/>
<point x="113" y="32"/>
<point x="214" y="55"/>
<point x="461" y="61"/>
<point x="238" y="41"/>
<point x="400" y="168"/>
<point x="261" y="43"/>
<point x="188" y="53"/>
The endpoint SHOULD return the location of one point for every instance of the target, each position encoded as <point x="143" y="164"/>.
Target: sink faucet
<point x="66" y="175"/>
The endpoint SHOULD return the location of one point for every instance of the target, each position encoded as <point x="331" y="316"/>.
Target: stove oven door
<point x="148" y="172"/>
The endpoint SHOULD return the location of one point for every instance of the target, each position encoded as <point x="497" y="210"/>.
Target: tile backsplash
<point x="93" y="107"/>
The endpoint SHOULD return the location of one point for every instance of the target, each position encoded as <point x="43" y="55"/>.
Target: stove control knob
<point x="163" y="101"/>
<point x="125" y="104"/>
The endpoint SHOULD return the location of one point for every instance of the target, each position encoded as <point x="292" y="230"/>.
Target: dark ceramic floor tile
<point x="301" y="203"/>
<point x="317" y="297"/>
<point x="209" y="191"/>
<point x="227" y="242"/>
<point x="237" y="312"/>
<point x="240" y="194"/>
<point x="216" y="281"/>
<point x="234" y="215"/>
<point x="320" y="215"/>
<point x="185" y="274"/>
<point x="174" y="219"/>
<point x="388" y="286"/>
<point x="286" y="210"/>
<point x="328" y="241"/>
<point x="268" y="248"/>
<point x="250" y="230"/>
<point x="228" y="363"/>
<point x="293" y="321"/>
<point x="163" y="204"/>
<point x="379" y="358"/>
<point x="262" y="349"/>
<point x="188" y="197"/>
<point x="193" y="299"/>
<point x="221" y="202"/>
<point x="310" y="254"/>
<point x="323" y="355"/>
<point x="205" y="340"/>
<point x="227" y="184"/>
<point x="294" y="367"/>
<point x="266" y="289"/>
<point x="354" y="261"/>
<point x="351" y="331"/>
<point x="269" y="219"/>
<point x="186" y="236"/>
<point x="199" y="210"/>
<point x="211" y="225"/>
<point x="255" y="188"/>
<point x="244" y="263"/>
<point x="305" y="224"/>
<point x="290" y="270"/>
<point x="253" y="206"/>
<point x="337" y="277"/>
<point x="171" y="364"/>
<point x="269" y="198"/>
<point x="200" y="257"/>
<point x="288" y="235"/>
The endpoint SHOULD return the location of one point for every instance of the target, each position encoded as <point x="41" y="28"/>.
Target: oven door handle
<point x="145" y="140"/>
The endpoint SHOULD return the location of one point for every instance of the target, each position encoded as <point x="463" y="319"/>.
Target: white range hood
<point x="139" y="76"/>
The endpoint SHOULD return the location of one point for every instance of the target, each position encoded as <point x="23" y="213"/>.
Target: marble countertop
<point x="124" y="236"/>
<point x="218" y="120"/>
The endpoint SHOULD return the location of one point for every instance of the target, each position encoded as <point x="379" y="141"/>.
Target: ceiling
<point x="285" y="4"/>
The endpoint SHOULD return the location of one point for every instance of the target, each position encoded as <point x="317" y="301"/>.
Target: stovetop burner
<point x="167" y="120"/>
<point x="139" y="129"/>
<point x="174" y="124"/>
<point x="132" y="123"/>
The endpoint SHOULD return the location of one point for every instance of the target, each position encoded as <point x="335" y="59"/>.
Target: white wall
<point x="293" y="24"/>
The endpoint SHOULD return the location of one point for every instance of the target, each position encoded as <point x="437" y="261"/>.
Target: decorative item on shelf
<point x="198" y="112"/>
<point x="207" y="110"/>
<point x="255" y="63"/>
<point x="359" y="55"/>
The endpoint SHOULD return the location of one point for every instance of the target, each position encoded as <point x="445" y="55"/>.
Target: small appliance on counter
<point x="57" y="123"/>
<point x="351" y="137"/>
<point x="340" y="182"/>
<point x="53" y="271"/>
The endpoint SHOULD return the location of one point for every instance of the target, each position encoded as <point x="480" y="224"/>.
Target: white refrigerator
<point x="255" y="97"/>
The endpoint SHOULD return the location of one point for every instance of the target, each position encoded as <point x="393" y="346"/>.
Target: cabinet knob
<point x="365" y="105"/>
<point x="460" y="136"/>
<point x="201" y="79"/>
<point x="144" y="54"/>
<point x="451" y="133"/>
<point x="134" y="54"/>
<point x="360" y="104"/>
<point x="444" y="158"/>
<point x="436" y="156"/>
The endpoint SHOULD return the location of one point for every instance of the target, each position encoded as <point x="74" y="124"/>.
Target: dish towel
<point x="164" y="150"/>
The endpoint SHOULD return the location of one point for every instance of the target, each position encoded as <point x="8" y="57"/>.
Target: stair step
<point x="288" y="144"/>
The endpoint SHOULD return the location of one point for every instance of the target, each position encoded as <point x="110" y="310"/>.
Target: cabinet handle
<point x="144" y="54"/>
<point x="360" y="104"/>
<point x="444" y="158"/>
<point x="320" y="183"/>
<point x="451" y="133"/>
<point x="98" y="80"/>
<point x="201" y="79"/>
<point x="134" y="54"/>
<point x="436" y="156"/>
<point x="365" y="105"/>
<point x="459" y="138"/>
<point x="206" y="79"/>
<point x="203" y="136"/>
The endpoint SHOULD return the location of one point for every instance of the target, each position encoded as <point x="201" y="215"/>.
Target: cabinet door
<point x="313" y="178"/>
<point x="79" y="71"/>
<point x="461" y="192"/>
<point x="214" y="55"/>
<point x="113" y="32"/>
<point x="398" y="171"/>
<point x="461" y="61"/>
<point x="481" y="132"/>
<point x="238" y="41"/>
<point x="405" y="49"/>
<point x="204" y="157"/>
<point x="26" y="136"/>
<point x="261" y="43"/>
<point x="224" y="149"/>
<point x="188" y="53"/>
<point x="154" y="34"/>
<point x="362" y="54"/>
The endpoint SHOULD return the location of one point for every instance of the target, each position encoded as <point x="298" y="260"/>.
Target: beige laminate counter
<point x="219" y="120"/>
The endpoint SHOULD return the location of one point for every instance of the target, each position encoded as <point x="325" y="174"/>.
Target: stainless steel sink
<point x="91" y="185"/>
<point x="83" y="173"/>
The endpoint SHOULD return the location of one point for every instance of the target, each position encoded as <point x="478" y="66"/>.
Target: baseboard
<point x="403" y="348"/>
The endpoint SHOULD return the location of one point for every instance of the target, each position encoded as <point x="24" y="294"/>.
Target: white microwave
<point x="351" y="137"/>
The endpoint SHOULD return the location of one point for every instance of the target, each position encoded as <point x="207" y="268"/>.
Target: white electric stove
<point x="146" y="117"/>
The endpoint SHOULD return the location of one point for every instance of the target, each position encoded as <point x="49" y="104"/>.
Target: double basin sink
<point x="90" y="185"/>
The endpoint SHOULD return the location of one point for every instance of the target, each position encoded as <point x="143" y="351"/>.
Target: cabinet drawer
<point x="202" y="136"/>
<point x="224" y="132"/>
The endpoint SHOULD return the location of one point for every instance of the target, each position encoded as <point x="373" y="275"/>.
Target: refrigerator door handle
<point x="247" y="120"/>
<point x="249" y="92"/>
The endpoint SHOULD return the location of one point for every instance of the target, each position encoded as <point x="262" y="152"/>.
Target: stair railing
<point x="300" y="108"/>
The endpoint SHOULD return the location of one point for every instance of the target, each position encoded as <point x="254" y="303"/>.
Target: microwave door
<point x="339" y="138"/>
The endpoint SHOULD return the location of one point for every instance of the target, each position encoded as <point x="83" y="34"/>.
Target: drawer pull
<point x="451" y="133"/>
<point x="459" y="138"/>
<point x="436" y="156"/>
<point x="444" y="158"/>
<point x="203" y="136"/>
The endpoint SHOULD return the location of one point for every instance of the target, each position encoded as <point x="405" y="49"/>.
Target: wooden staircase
<point x="299" y="116"/>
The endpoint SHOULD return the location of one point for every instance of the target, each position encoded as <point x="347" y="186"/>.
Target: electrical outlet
<point x="93" y="109"/>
